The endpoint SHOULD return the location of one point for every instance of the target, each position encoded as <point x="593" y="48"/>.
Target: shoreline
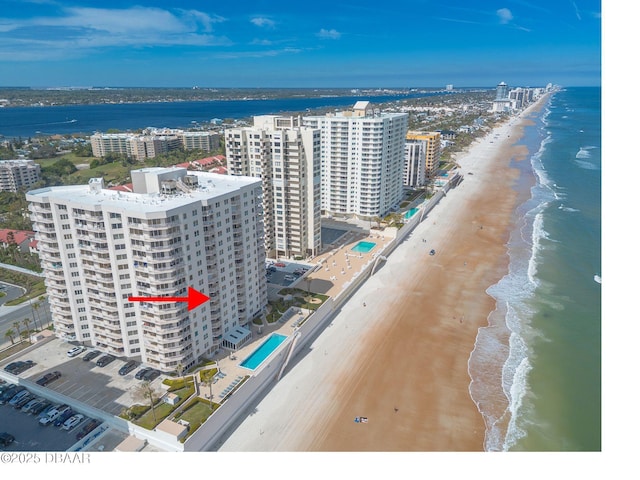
<point x="402" y="361"/>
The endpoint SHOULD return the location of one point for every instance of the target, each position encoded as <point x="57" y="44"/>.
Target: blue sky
<point x="350" y="43"/>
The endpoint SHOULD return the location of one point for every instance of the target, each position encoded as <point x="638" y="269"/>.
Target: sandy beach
<point x="401" y="360"/>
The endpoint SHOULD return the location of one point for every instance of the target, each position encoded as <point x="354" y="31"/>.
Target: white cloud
<point x="263" y="22"/>
<point x="332" y="34"/>
<point x="505" y="15"/>
<point x="80" y="29"/>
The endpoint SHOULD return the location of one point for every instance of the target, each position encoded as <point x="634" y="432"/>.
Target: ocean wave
<point x="597" y="279"/>
<point x="584" y="152"/>
<point x="567" y="209"/>
<point x="586" y="165"/>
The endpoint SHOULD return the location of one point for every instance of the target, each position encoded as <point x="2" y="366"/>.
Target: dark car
<point x="63" y="417"/>
<point x="38" y="408"/>
<point x="432" y="252"/>
<point x="105" y="360"/>
<point x="91" y="355"/>
<point x="151" y="375"/>
<point x="127" y="367"/>
<point x="23" y="401"/>
<point x="17" y="368"/>
<point x="6" y="439"/>
<point x="88" y="427"/>
<point x="48" y="378"/>
<point x="9" y="393"/>
<point x="141" y="373"/>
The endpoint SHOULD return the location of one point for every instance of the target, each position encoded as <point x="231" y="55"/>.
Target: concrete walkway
<point x="21" y="270"/>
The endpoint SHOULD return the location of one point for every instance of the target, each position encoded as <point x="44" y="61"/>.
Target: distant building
<point x="16" y="175"/>
<point x="422" y="157"/>
<point x="362" y="155"/>
<point x="152" y="143"/>
<point x="449" y="88"/>
<point x="177" y="229"/>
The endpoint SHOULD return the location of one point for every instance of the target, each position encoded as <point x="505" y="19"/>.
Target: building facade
<point x="18" y="174"/>
<point x="422" y="157"/>
<point x="176" y="230"/>
<point x="286" y="156"/>
<point x="362" y="157"/>
<point x="152" y="142"/>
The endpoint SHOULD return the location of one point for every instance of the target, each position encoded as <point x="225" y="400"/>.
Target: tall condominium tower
<point x="417" y="145"/>
<point x="175" y="230"/>
<point x="502" y="91"/>
<point x="18" y="174"/>
<point x="286" y="156"/>
<point x="362" y="154"/>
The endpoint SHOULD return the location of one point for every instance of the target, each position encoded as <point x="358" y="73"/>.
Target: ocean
<point x="536" y="369"/>
<point x="67" y="119"/>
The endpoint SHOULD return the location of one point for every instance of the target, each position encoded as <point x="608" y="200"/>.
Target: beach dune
<point x="401" y="361"/>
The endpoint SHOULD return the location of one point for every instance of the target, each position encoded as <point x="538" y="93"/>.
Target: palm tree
<point x="145" y="391"/>
<point x="42" y="299"/>
<point x="180" y="371"/>
<point x="10" y="334"/>
<point x="208" y="381"/>
<point x="25" y="322"/>
<point x="16" y="325"/>
<point x="34" y="308"/>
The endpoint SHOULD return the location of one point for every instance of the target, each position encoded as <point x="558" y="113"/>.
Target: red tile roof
<point x="19" y="236"/>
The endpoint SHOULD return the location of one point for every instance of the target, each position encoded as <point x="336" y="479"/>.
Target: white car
<point x="53" y="414"/>
<point x="75" y="351"/>
<point x="73" y="421"/>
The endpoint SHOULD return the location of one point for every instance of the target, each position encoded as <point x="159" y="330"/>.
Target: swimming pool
<point x="410" y="213"/>
<point x="363" y="247"/>
<point x="259" y="355"/>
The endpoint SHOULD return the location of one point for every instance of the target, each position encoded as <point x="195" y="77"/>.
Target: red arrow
<point x="194" y="299"/>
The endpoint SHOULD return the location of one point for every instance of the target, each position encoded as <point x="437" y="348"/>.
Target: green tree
<point x="10" y="334"/>
<point x="16" y="325"/>
<point x="146" y="392"/>
<point x="25" y="322"/>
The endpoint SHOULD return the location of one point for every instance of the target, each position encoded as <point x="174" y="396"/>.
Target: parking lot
<point x="285" y="273"/>
<point x="99" y="387"/>
<point x="31" y="436"/>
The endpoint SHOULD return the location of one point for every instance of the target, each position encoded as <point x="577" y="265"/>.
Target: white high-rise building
<point x="362" y="154"/>
<point x="286" y="156"/>
<point x="176" y="230"/>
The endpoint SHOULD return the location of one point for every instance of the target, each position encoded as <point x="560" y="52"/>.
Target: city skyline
<point x="411" y="43"/>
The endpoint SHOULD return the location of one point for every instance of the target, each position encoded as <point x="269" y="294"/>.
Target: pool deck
<point x="337" y="267"/>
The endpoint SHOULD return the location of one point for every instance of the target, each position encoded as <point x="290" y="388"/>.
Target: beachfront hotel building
<point x="175" y="230"/>
<point x="422" y="157"/>
<point x="286" y="156"/>
<point x="152" y="142"/>
<point x="362" y="157"/>
<point x="18" y="174"/>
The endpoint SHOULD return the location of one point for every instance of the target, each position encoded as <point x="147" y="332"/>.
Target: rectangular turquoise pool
<point x="363" y="247"/>
<point x="265" y="349"/>
<point x="410" y="213"/>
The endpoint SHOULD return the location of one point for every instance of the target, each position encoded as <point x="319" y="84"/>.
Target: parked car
<point x="17" y="368"/>
<point x="6" y="439"/>
<point x="151" y="375"/>
<point x="432" y="252"/>
<point x="127" y="367"/>
<point x="105" y="360"/>
<point x="63" y="417"/>
<point x="18" y="396"/>
<point x="48" y="409"/>
<point x="75" y="351"/>
<point x="40" y="407"/>
<point x="73" y="421"/>
<point x="53" y="415"/>
<point x="91" y="355"/>
<point x="9" y="393"/>
<point x="141" y="373"/>
<point x="88" y="427"/>
<point x="23" y="401"/>
<point x="30" y="404"/>
<point x="48" y="378"/>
